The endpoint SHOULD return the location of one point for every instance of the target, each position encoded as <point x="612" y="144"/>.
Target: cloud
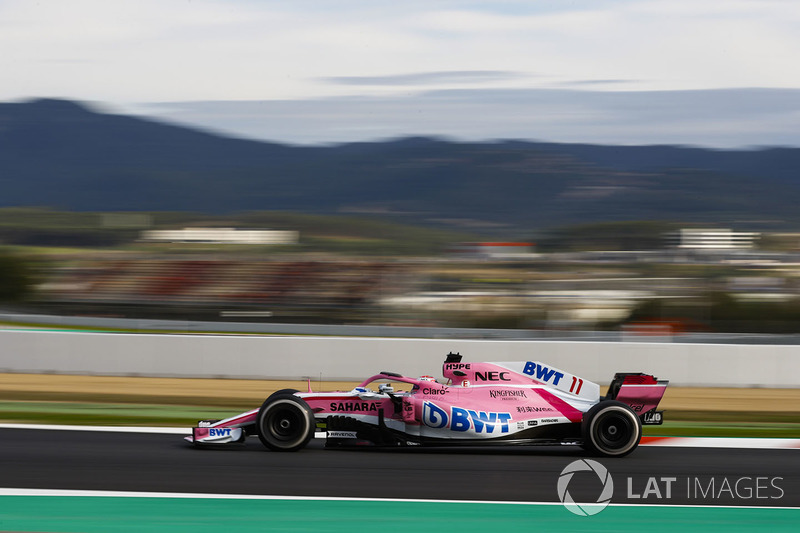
<point x="464" y="77"/>
<point x="587" y="83"/>
<point x="158" y="50"/>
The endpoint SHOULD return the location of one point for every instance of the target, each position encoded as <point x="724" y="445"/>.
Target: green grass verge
<point x="107" y="414"/>
<point x="30" y="326"/>
<point x="725" y="429"/>
<point x="733" y="417"/>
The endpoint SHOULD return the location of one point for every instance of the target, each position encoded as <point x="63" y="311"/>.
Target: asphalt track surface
<point x="43" y="459"/>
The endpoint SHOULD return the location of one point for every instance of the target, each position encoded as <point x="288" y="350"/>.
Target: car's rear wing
<point x="642" y="392"/>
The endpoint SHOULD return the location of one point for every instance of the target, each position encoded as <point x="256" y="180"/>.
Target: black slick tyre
<point x="283" y="391"/>
<point x="611" y="429"/>
<point x="285" y="423"/>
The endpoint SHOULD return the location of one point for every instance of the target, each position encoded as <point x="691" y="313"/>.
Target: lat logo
<point x="542" y="373"/>
<point x="219" y="432"/>
<point x="460" y="419"/>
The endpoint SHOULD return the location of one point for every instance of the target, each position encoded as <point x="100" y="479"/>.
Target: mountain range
<point x="69" y="156"/>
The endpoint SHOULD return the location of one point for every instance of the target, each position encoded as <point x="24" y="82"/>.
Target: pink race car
<point x="480" y="404"/>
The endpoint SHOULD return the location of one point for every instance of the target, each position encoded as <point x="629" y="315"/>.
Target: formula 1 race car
<point x="480" y="404"/>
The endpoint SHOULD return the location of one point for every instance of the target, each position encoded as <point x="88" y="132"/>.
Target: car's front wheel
<point x="285" y="423"/>
<point x="612" y="429"/>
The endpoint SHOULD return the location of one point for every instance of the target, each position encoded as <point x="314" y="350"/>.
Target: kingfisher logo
<point x="590" y="508"/>
<point x="507" y="394"/>
<point x="460" y="419"/>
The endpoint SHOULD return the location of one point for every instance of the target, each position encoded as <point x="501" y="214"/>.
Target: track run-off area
<point x="69" y="479"/>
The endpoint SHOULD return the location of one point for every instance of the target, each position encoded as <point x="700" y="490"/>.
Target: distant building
<point x="222" y="236"/>
<point x="495" y="250"/>
<point x="712" y="239"/>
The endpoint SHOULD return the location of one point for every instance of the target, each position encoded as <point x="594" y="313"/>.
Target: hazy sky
<point x="325" y="71"/>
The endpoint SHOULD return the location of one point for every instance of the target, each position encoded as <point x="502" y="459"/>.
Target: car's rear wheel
<point x="612" y="429"/>
<point x="285" y="423"/>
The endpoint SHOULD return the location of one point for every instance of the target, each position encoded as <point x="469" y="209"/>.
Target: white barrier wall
<point x="347" y="358"/>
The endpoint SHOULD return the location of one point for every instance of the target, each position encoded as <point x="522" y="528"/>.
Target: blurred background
<point x="148" y="220"/>
<point x="532" y="166"/>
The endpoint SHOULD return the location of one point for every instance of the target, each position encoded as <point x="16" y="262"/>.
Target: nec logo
<point x="542" y="373"/>
<point x="460" y="419"/>
<point x="219" y="432"/>
<point x="492" y="376"/>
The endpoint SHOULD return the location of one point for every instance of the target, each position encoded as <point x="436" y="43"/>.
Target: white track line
<point x="114" y="429"/>
<point x="198" y="495"/>
<point x="678" y="442"/>
<point x="110" y="429"/>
